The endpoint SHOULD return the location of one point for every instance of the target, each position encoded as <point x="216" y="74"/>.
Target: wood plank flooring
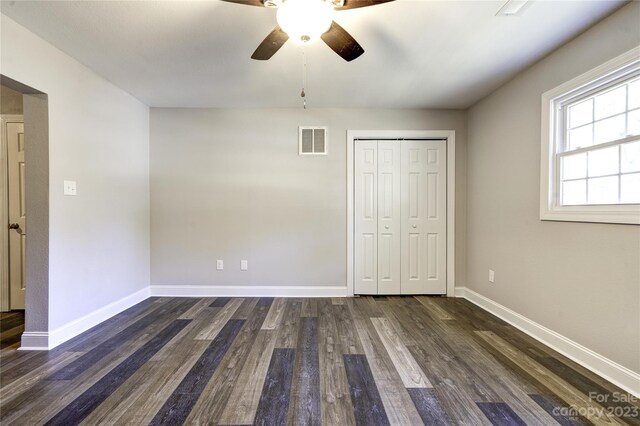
<point x="272" y="361"/>
<point x="11" y="328"/>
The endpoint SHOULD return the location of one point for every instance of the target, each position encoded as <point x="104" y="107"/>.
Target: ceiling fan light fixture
<point x="305" y="20"/>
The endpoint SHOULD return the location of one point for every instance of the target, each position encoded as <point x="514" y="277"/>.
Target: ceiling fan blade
<point x="353" y="4"/>
<point x="342" y="43"/>
<point x="247" y="2"/>
<point x="270" y="45"/>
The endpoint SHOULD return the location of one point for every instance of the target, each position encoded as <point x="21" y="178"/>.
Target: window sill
<point x="630" y="217"/>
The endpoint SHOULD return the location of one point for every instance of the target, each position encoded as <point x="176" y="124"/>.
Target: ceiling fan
<point x="307" y="20"/>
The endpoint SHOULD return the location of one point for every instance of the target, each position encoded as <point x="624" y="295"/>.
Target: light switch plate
<point x="70" y="187"/>
<point x="219" y="265"/>
<point x="244" y="265"/>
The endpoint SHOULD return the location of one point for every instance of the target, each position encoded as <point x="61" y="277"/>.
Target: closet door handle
<point x="414" y="226"/>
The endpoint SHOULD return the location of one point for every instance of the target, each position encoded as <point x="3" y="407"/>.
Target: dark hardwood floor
<point x="11" y="328"/>
<point x="264" y="361"/>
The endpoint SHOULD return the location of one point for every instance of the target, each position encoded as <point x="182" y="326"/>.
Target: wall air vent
<point x="312" y="140"/>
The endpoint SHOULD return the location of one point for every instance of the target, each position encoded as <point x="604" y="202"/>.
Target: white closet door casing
<point x="389" y="217"/>
<point x="423" y="253"/>
<point x="366" y="217"/>
<point x="17" y="214"/>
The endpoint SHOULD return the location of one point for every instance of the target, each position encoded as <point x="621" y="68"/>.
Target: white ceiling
<point x="418" y="53"/>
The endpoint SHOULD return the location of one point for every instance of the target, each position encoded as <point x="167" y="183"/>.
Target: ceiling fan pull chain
<point x="304" y="78"/>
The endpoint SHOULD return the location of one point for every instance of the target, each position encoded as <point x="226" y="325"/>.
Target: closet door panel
<point x="436" y="227"/>
<point x="423" y="187"/>
<point x="389" y="217"/>
<point x="366" y="217"/>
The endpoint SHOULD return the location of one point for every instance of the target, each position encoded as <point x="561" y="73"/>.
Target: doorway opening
<point x="24" y="213"/>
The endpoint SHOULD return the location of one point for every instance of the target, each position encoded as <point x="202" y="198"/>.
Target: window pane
<point x="630" y="188"/>
<point x="630" y="161"/>
<point x="634" y="94"/>
<point x="611" y="102"/>
<point x="574" y="192"/>
<point x="603" y="161"/>
<point x="581" y="137"/>
<point x="633" y="123"/>
<point x="609" y="129"/>
<point x="603" y="190"/>
<point x="574" y="166"/>
<point x="581" y="113"/>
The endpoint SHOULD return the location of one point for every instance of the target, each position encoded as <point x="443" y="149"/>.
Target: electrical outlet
<point x="219" y="265"/>
<point x="244" y="265"/>
<point x="492" y="276"/>
<point x="70" y="187"/>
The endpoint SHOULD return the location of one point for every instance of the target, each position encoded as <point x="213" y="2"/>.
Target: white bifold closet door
<point x="400" y="217"/>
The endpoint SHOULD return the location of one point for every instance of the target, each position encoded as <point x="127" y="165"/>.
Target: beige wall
<point x="229" y="184"/>
<point x="581" y="280"/>
<point x="10" y="101"/>
<point x="99" y="137"/>
<point x="36" y="134"/>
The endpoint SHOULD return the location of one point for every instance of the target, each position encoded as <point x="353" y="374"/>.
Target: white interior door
<point x="17" y="214"/>
<point x="424" y="221"/>
<point x="400" y="217"/>
<point x="366" y="217"/>
<point x="389" y="217"/>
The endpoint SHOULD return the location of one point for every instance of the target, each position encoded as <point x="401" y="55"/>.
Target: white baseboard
<point x="34" y="341"/>
<point x="42" y="341"/>
<point x="602" y="366"/>
<point x="247" y="291"/>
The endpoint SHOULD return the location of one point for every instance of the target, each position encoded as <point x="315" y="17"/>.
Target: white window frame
<point x="550" y="208"/>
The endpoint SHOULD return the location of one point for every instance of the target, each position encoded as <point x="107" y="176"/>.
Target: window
<point x="591" y="145"/>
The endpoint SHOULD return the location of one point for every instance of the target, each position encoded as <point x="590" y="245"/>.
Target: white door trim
<point x="450" y="136"/>
<point x="4" y="210"/>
